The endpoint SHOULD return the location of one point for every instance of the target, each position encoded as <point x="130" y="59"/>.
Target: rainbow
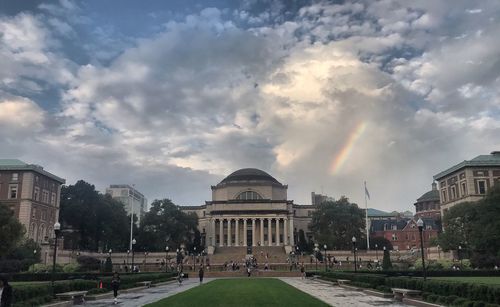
<point x="344" y="153"/>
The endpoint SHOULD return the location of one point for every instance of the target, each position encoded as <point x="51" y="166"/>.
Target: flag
<point x="366" y="192"/>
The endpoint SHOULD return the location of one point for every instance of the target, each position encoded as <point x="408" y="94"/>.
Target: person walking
<point x="115" y="285"/>
<point x="5" y="292"/>
<point x="201" y="273"/>
<point x="302" y="271"/>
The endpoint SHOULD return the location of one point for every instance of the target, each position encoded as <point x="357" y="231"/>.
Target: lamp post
<point x="128" y="252"/>
<point x="376" y="251"/>
<point x="439" y="252"/>
<point x="166" y="259"/>
<point x="420" y="225"/>
<point x="34" y="257"/>
<point x="326" y="259"/>
<point x="354" y="250"/>
<point x="133" y="253"/>
<point x="316" y="250"/>
<point x="57" y="231"/>
<point x="145" y="260"/>
<point x="460" y="255"/>
<point x="194" y="259"/>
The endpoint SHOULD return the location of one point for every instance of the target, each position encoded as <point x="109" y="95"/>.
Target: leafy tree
<point x="11" y="230"/>
<point x="302" y="243"/>
<point x="476" y="228"/>
<point x="166" y="224"/>
<point x="380" y="242"/>
<point x="335" y="222"/>
<point x="386" y="261"/>
<point x="25" y="251"/>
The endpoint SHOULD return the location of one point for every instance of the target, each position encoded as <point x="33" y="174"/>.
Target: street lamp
<point x="145" y="260"/>
<point x="420" y="225"/>
<point x="57" y="232"/>
<point x="34" y="259"/>
<point x="376" y="251"/>
<point x="326" y="259"/>
<point x="166" y="259"/>
<point x="133" y="253"/>
<point x="194" y="259"/>
<point x="128" y="252"/>
<point x="354" y="249"/>
<point x="460" y="255"/>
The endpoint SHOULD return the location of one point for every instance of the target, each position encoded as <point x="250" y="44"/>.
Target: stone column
<point x="269" y="232"/>
<point x="212" y="231"/>
<point x="237" y="230"/>
<point x="221" y="232"/>
<point x="285" y="232"/>
<point x="229" y="232"/>
<point x="261" y="232"/>
<point x="278" y="243"/>
<point x="245" y="232"/>
<point x="292" y="240"/>
<point x="254" y="239"/>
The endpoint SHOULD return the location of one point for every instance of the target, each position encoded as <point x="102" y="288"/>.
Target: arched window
<point x="249" y="195"/>
<point x="41" y="233"/>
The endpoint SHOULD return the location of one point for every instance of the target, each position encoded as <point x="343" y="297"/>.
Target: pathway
<point x="149" y="295"/>
<point x="337" y="296"/>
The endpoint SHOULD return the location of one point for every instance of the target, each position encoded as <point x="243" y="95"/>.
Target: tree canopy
<point x="476" y="228"/>
<point x="11" y="230"/>
<point x="165" y="224"/>
<point x="335" y="222"/>
<point x="98" y="221"/>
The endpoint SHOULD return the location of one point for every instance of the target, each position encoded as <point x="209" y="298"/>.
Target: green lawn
<point x="475" y="280"/>
<point x="242" y="293"/>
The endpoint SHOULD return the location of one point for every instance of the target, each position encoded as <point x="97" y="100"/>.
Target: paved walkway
<point x="149" y="295"/>
<point x="337" y="296"/>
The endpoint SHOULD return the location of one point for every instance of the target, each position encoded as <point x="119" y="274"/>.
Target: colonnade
<point x="233" y="231"/>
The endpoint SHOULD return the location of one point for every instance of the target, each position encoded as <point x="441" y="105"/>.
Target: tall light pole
<point x="132" y="249"/>
<point x="326" y="259"/>
<point x="460" y="255"/>
<point x="194" y="259"/>
<point x="166" y="259"/>
<point x="376" y="251"/>
<point x="354" y="249"/>
<point x="420" y="225"/>
<point x="57" y="231"/>
<point x="131" y="200"/>
<point x="316" y="251"/>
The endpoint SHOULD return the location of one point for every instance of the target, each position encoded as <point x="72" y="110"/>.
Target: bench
<point x="77" y="297"/>
<point x="399" y="293"/>
<point x="343" y="281"/>
<point x="146" y="284"/>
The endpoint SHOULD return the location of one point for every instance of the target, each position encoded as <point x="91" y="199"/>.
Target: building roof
<point x="18" y="165"/>
<point x="249" y="174"/>
<point x="378" y="213"/>
<point x="432" y="195"/>
<point x="387" y="224"/>
<point x="492" y="159"/>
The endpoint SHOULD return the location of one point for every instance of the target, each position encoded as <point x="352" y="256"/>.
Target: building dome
<point x="249" y="174"/>
<point x="432" y="195"/>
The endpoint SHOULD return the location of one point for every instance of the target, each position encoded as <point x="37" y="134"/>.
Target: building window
<point x="36" y="179"/>
<point x="13" y="191"/>
<point x="394" y="237"/>
<point x="15" y="176"/>
<point x="394" y="227"/>
<point x="33" y="214"/>
<point x="36" y="194"/>
<point x="249" y="195"/>
<point x="481" y="187"/>
<point x="453" y="193"/>
<point x="443" y="195"/>
<point x="464" y="189"/>
<point x="53" y="199"/>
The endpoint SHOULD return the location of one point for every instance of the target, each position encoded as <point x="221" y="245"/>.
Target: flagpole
<point x="366" y="221"/>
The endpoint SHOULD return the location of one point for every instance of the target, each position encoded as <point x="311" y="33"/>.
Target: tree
<point x="98" y="221"/>
<point x="476" y="228"/>
<point x="380" y="242"/>
<point x="11" y="230"/>
<point x="335" y="222"/>
<point x="166" y="224"/>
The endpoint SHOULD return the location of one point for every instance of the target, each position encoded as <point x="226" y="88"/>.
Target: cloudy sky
<point x="173" y="96"/>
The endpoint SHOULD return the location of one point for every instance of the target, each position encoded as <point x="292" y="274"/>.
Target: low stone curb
<point x="378" y="293"/>
<point x="351" y="288"/>
<point x="101" y="296"/>
<point x="59" y="304"/>
<point x="419" y="303"/>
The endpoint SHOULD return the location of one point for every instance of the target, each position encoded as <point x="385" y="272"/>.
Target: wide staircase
<point x="269" y="254"/>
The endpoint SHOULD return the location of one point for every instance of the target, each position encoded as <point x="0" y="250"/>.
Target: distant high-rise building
<point x="317" y="199"/>
<point x="33" y="194"/>
<point x="130" y="197"/>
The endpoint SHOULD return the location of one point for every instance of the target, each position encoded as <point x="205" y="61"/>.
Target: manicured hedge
<point x="476" y="293"/>
<point x="66" y="276"/>
<point x="439" y="273"/>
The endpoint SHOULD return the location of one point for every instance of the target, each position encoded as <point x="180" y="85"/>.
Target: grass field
<point x="243" y="293"/>
<point x="476" y="280"/>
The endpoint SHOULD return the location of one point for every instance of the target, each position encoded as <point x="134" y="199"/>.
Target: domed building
<point x="250" y="208"/>
<point x="427" y="205"/>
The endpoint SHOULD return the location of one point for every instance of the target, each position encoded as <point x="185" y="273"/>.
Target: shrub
<point x="88" y="263"/>
<point x="71" y="268"/>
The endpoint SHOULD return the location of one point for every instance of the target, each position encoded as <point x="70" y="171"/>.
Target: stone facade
<point x="468" y="181"/>
<point x="427" y="205"/>
<point x="33" y="194"/>
<point x="250" y="208"/>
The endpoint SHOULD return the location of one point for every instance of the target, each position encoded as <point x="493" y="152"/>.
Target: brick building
<point x="403" y="232"/>
<point x="427" y="205"/>
<point x="33" y="194"/>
